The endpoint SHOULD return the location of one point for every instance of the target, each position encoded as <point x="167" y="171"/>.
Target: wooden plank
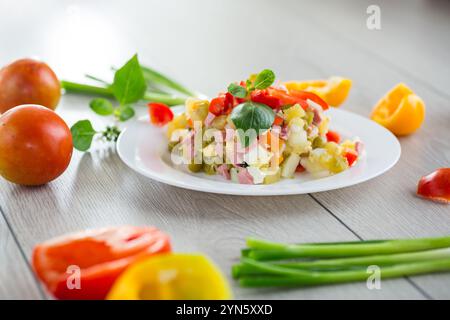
<point x="99" y="190"/>
<point x="16" y="279"/>
<point x="387" y="207"/>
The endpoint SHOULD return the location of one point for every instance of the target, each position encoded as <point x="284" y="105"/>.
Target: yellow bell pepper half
<point x="171" y="277"/>
<point x="400" y="110"/>
<point x="334" y="90"/>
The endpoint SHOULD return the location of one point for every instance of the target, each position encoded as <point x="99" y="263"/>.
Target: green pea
<point x="195" y="167"/>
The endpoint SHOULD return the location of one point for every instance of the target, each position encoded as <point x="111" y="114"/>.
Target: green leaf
<point x="102" y="106"/>
<point x="264" y="79"/>
<point x="129" y="84"/>
<point x="252" y="115"/>
<point x="237" y="90"/>
<point x="123" y="113"/>
<point x="82" y="135"/>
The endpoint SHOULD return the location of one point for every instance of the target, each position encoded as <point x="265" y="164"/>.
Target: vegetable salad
<point x="259" y="133"/>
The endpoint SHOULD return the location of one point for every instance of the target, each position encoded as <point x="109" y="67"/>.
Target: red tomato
<point x="286" y="98"/>
<point x="333" y="136"/>
<point x="35" y="145"/>
<point x="436" y="186"/>
<point x="305" y="95"/>
<point x="230" y="103"/>
<point x="223" y="104"/>
<point x="28" y="81"/>
<point x="351" y="157"/>
<point x="217" y="105"/>
<point x="300" y="168"/>
<point x="160" y="113"/>
<point x="263" y="96"/>
<point x="101" y="256"/>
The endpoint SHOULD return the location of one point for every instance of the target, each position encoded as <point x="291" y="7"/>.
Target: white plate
<point x="143" y="147"/>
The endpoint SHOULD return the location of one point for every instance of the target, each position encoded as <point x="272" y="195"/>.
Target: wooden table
<point x="207" y="44"/>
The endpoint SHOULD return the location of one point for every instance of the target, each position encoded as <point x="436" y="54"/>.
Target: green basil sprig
<point x="129" y="86"/>
<point x="251" y="115"/>
<point x="263" y="80"/>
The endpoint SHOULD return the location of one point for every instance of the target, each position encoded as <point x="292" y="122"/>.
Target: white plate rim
<point x="262" y="190"/>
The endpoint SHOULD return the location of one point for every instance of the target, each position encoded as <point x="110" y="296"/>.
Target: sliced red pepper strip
<point x="286" y="98"/>
<point x="263" y="96"/>
<point x="160" y="113"/>
<point x="305" y="95"/>
<point x="101" y="256"/>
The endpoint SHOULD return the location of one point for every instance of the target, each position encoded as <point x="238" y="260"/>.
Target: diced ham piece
<point x="284" y="134"/>
<point x="317" y="117"/>
<point x="209" y="119"/>
<point x="223" y="170"/>
<point x="359" y="147"/>
<point x="244" y="177"/>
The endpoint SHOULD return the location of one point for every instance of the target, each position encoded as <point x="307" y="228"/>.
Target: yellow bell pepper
<point x="334" y="90"/>
<point x="171" y="277"/>
<point x="400" y="110"/>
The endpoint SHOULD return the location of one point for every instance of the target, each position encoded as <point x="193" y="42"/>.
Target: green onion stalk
<point x="153" y="76"/>
<point x="245" y="269"/>
<point x="74" y="87"/>
<point x="266" y="250"/>
<point x="266" y="264"/>
<point x="281" y="276"/>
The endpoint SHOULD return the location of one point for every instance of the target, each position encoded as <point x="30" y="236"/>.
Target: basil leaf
<point x="237" y="90"/>
<point x="252" y="115"/>
<point x="129" y="84"/>
<point x="102" y="106"/>
<point x="123" y="113"/>
<point x="264" y="79"/>
<point x="82" y="135"/>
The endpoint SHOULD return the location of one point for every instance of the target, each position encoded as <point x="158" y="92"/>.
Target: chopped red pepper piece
<point x="278" y="121"/>
<point x="333" y="136"/>
<point x="160" y="113"/>
<point x="300" y="168"/>
<point x="436" y="186"/>
<point x="101" y="256"/>
<point x="217" y="105"/>
<point x="263" y="96"/>
<point x="305" y="95"/>
<point x="351" y="157"/>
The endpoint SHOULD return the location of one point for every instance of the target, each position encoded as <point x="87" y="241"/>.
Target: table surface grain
<point x="207" y="44"/>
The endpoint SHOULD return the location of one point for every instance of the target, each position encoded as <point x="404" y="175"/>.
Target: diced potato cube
<point x="289" y="165"/>
<point x="196" y="109"/>
<point x="219" y="122"/>
<point x="272" y="176"/>
<point x="179" y="122"/>
<point x="296" y="111"/>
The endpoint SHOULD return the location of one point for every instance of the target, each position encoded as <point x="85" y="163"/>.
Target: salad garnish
<point x="259" y="133"/>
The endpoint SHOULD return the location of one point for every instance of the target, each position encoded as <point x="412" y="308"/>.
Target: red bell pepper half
<point x="99" y="255"/>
